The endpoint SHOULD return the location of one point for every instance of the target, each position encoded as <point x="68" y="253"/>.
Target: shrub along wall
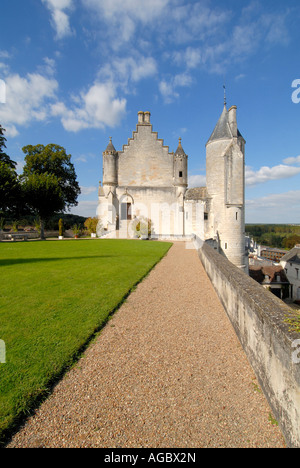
<point x="258" y="318"/>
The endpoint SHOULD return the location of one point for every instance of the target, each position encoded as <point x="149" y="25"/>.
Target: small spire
<point x="179" y="150"/>
<point x="110" y="147"/>
<point x="225" y="101"/>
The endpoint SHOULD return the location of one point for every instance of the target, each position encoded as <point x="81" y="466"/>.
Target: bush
<point x="91" y="225"/>
<point x="61" y="227"/>
<point x="142" y="226"/>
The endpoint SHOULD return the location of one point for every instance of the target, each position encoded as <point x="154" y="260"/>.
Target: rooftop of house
<point x="293" y="256"/>
<point x="197" y="193"/>
<point x="275" y="273"/>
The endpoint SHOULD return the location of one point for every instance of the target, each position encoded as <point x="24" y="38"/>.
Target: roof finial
<point x="225" y="101"/>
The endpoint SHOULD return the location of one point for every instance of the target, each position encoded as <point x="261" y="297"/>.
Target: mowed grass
<point x="54" y="297"/>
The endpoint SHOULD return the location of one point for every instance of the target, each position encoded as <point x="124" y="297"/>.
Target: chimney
<point x="147" y="117"/>
<point x="232" y="121"/>
<point x="140" y="117"/>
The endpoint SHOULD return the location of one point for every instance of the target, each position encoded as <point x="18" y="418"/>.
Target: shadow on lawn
<point x="17" y="261"/>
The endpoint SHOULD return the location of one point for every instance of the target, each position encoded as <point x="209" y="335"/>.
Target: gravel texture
<point x="167" y="371"/>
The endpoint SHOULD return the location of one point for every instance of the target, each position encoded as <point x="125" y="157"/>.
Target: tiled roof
<point x="258" y="273"/>
<point x="293" y="256"/>
<point x="197" y="193"/>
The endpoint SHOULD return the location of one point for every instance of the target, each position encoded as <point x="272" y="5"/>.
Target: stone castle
<point x="146" y="180"/>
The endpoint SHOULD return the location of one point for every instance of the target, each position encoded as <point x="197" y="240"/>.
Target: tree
<point x="53" y="159"/>
<point x="291" y="241"/>
<point x="43" y="196"/>
<point x="49" y="181"/>
<point x="9" y="188"/>
<point x="9" y="182"/>
<point x="4" y="158"/>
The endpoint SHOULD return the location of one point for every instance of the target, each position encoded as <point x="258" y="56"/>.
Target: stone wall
<point x="273" y="351"/>
<point x="145" y="161"/>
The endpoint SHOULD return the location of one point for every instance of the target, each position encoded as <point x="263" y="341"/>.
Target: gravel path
<point x="167" y="371"/>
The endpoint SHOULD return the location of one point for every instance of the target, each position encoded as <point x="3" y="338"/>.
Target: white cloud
<point x="169" y="87"/>
<point x="121" y="71"/>
<point x="60" y="19"/>
<point x="86" y="208"/>
<point x="48" y="68"/>
<point x="124" y="15"/>
<point x="98" y="108"/>
<point x="197" y="181"/>
<point x="274" y="208"/>
<point x="27" y="100"/>
<point x="190" y="57"/>
<point x="81" y="159"/>
<point x="295" y="160"/>
<point x="264" y="174"/>
<point x="88" y="190"/>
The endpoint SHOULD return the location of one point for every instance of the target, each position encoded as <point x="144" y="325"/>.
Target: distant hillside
<point x="282" y="236"/>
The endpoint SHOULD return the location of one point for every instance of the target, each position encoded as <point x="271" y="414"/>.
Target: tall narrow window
<point x="180" y="173"/>
<point x="236" y="215"/>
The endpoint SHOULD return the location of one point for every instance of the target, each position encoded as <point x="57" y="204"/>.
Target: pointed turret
<point x="110" y="155"/>
<point x="110" y="147"/>
<point x="225" y="167"/>
<point x="180" y="166"/>
<point x="226" y="128"/>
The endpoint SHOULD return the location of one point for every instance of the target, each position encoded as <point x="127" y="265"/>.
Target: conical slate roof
<point x="222" y="129"/>
<point x="180" y="150"/>
<point x="110" y="147"/>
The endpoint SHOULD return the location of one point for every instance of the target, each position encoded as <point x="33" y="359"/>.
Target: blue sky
<point x="78" y="71"/>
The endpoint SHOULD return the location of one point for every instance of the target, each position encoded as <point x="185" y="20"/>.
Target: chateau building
<point x="146" y="181"/>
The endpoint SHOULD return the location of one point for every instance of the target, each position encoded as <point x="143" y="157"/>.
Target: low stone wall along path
<point x="166" y="371"/>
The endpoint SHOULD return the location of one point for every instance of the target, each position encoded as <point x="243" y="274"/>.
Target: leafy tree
<point x="4" y="158"/>
<point x="9" y="182"/>
<point x="49" y="181"/>
<point x="9" y="187"/>
<point x="53" y="159"/>
<point x="43" y="196"/>
<point x="291" y="241"/>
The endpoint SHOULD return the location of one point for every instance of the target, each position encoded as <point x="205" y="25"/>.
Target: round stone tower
<point x="110" y="168"/>
<point x="180" y="169"/>
<point x="225" y="169"/>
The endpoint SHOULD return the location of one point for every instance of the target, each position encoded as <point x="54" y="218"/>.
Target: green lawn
<point x="54" y="297"/>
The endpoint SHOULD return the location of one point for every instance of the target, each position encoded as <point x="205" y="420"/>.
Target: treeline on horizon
<point x="51" y="224"/>
<point x="281" y="236"/>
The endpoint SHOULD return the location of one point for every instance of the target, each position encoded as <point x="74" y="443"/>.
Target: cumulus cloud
<point x="123" y="16"/>
<point x="169" y="87"/>
<point x="27" y="100"/>
<point x="274" y="208"/>
<point x="197" y="181"/>
<point x="265" y="174"/>
<point x="60" y="19"/>
<point x="99" y="107"/>
<point x="87" y="208"/>
<point x="295" y="160"/>
<point x="88" y="190"/>
<point x="122" y="70"/>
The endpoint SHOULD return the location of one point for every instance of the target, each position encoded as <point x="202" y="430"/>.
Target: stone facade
<point x="146" y="180"/>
